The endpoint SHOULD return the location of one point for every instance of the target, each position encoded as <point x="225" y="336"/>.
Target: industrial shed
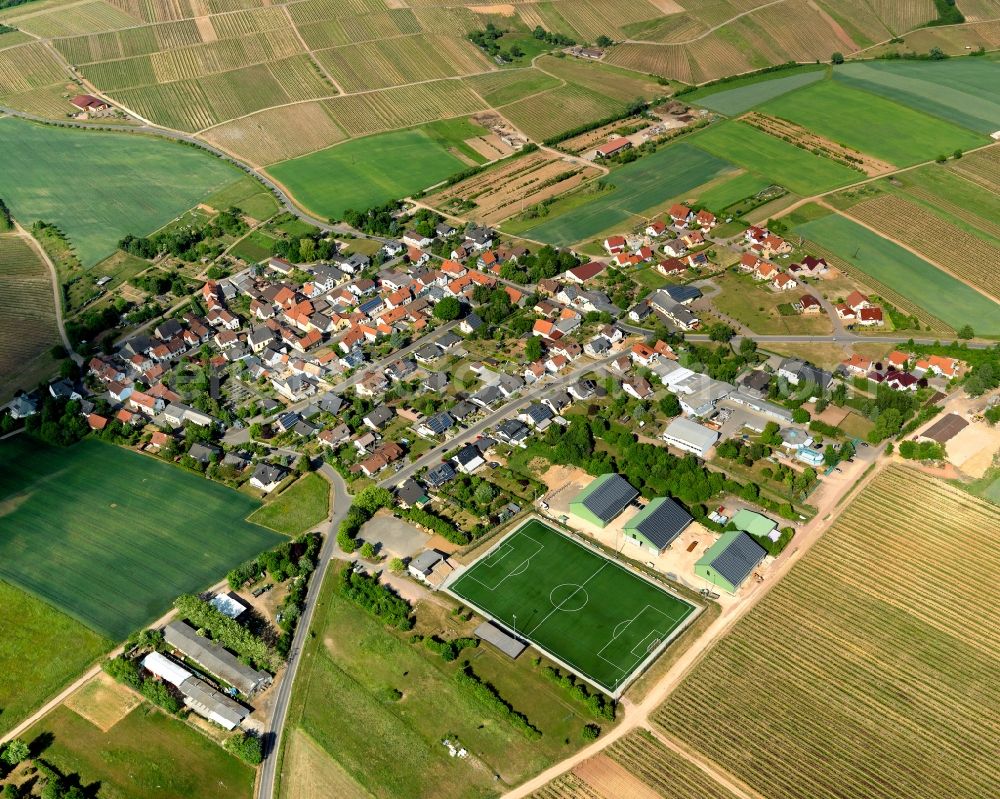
<point x="604" y="499"/>
<point x="657" y="525"/>
<point x="730" y="560"/>
<point x="214" y="705"/>
<point x="214" y="659"/>
<point x="690" y="436"/>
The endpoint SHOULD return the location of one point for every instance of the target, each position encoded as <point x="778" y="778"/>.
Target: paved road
<point x="341" y="501"/>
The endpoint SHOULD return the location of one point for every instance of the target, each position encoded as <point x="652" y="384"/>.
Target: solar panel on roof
<point x="610" y="498"/>
<point x="740" y="558"/>
<point x="665" y="523"/>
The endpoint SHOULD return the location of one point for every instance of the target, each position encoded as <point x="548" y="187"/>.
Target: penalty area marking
<point x="492" y="562"/>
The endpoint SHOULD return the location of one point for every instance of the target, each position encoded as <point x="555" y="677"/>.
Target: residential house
<point x="783" y="282"/>
<point x="468" y="459"/>
<point x="614" y="244"/>
<point x="378" y="418"/>
<point x="808" y="304"/>
<point x="680" y="215"/>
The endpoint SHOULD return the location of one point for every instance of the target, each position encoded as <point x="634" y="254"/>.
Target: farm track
<point x="56" y="289"/>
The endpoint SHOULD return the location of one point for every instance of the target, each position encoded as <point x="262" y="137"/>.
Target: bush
<point x="16" y="751"/>
<point x="590" y="732"/>
<point x="158" y="693"/>
<point x="247" y="747"/>
<point x="597" y="703"/>
<point x="377" y="599"/>
<point x="226" y="631"/>
<point x="124" y="671"/>
<point x="450" y="650"/>
<point x="488" y="697"/>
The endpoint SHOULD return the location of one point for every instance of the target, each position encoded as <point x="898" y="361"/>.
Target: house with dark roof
<point x="513" y="431"/>
<point x="436" y="425"/>
<point x="267" y="476"/>
<point x="730" y="560"/>
<point x="438" y="475"/>
<point x="657" y="525"/>
<point x="378" y="417"/>
<point x="469" y="458"/>
<point x="603" y="500"/>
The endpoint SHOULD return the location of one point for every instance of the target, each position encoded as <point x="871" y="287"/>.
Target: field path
<point x="56" y="287"/>
<point x="847" y="215"/>
<point x="88" y="675"/>
<point x="322" y="70"/>
<point x="836" y="489"/>
<point x="710" y="31"/>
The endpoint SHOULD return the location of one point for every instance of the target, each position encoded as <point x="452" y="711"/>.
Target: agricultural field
<point x="739" y="96"/>
<point x="914" y="278"/>
<point x="27" y="315"/>
<point x="344" y="699"/>
<point x="723" y="193"/>
<point x="974" y="259"/>
<point x="982" y="168"/>
<point x="301" y="506"/>
<point x="502" y="88"/>
<point x="145" y="754"/>
<point x="365" y="172"/>
<point x="850" y="669"/>
<point x="773" y="159"/>
<point x="636" y="765"/>
<point x="43" y="650"/>
<point x="551" y="113"/>
<point x="534" y="582"/>
<point x="636" y="188"/>
<point x="959" y="90"/>
<point x="618" y="84"/>
<point x="247" y="194"/>
<point x="951" y="194"/>
<point x="110" y="537"/>
<point x="875" y="125"/>
<point x="96" y="206"/>
<point x="508" y="188"/>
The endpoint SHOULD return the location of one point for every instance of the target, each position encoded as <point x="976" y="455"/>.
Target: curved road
<point x="340" y="502"/>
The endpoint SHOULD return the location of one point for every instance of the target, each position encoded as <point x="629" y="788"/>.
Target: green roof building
<point x="756" y="524"/>
<point x="603" y="500"/>
<point x="730" y="560"/>
<point x="657" y="525"/>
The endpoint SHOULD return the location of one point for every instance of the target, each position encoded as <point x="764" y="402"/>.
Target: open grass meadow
<point x="635" y="188"/>
<point x="110" y="536"/>
<point x="740" y="95"/>
<point x="299" y="507"/>
<point x="921" y="282"/>
<point x="146" y="754"/>
<point x="874" y="125"/>
<point x="773" y="159"/>
<point x="248" y="195"/>
<point x="42" y="650"/>
<point x="869" y="671"/>
<point x="98" y="186"/>
<point x="960" y="90"/>
<point x="365" y="172"/>
<point x="348" y="724"/>
<point x="553" y="591"/>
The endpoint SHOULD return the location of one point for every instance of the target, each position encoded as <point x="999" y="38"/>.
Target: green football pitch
<point x="594" y="615"/>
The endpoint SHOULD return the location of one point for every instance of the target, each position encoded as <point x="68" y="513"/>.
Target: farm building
<point x="690" y="436"/>
<point x="201" y="697"/>
<point x="229" y="604"/>
<point x="756" y="524"/>
<point x="604" y="499"/>
<point x="215" y="659"/>
<point x="613" y="147"/>
<point x="657" y="525"/>
<point x="730" y="560"/>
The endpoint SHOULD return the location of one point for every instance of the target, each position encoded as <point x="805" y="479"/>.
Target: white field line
<point x="557" y="607"/>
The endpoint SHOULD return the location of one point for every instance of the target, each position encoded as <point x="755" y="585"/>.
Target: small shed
<point x="509" y="644"/>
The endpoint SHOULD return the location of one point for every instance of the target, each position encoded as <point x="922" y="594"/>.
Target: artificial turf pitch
<point x="594" y="615"/>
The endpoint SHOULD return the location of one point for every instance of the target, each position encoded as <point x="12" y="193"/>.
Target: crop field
<point x="146" y="754"/>
<point x="982" y="167"/>
<point x="89" y="17"/>
<point x="96" y="206"/>
<point x="342" y="698"/>
<point x="637" y="187"/>
<point x="850" y="670"/>
<point x="618" y="84"/>
<point x="921" y="282"/>
<point x="636" y="765"/>
<point x="962" y="91"/>
<point x="557" y="110"/>
<point x="507" y="189"/>
<point x="952" y="195"/>
<point x="248" y="195"/>
<point x="723" y="193"/>
<point x="536" y="581"/>
<point x="502" y="88"/>
<point x="970" y="257"/>
<point x="43" y="650"/>
<point x="27" y="313"/>
<point x="879" y="127"/>
<point x="735" y="98"/>
<point x="773" y="159"/>
<point x="365" y="172"/>
<point x="28" y="66"/>
<point x="110" y="536"/>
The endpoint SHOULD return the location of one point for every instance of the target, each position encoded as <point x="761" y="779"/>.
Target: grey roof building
<point x="658" y="524"/>
<point x="440" y="474"/>
<point x="215" y="659"/>
<point x="730" y="560"/>
<point x="501" y="639"/>
<point x="604" y="499"/>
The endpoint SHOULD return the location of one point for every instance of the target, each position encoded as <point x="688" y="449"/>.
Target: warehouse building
<point x="214" y="659"/>
<point x="690" y="436"/>
<point x="603" y="500"/>
<point x="657" y="525"/>
<point x="730" y="560"/>
<point x="201" y="697"/>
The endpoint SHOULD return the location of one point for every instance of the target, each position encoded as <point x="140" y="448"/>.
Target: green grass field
<point x="365" y="172"/>
<point x="42" y="650"/>
<point x="302" y="505"/>
<point x="98" y="187"/>
<point x="877" y="126"/>
<point x="939" y="293"/>
<point x="739" y="96"/>
<point x="146" y="754"/>
<point x="724" y="193"/>
<point x="638" y="187"/>
<point x="591" y="613"/>
<point x="501" y="88"/>
<point x="961" y="90"/>
<point x="774" y="159"/>
<point x="110" y="536"/>
<point x="246" y="194"/>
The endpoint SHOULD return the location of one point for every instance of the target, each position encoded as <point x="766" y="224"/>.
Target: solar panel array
<point x="740" y="558"/>
<point x="610" y="498"/>
<point x="664" y="523"/>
